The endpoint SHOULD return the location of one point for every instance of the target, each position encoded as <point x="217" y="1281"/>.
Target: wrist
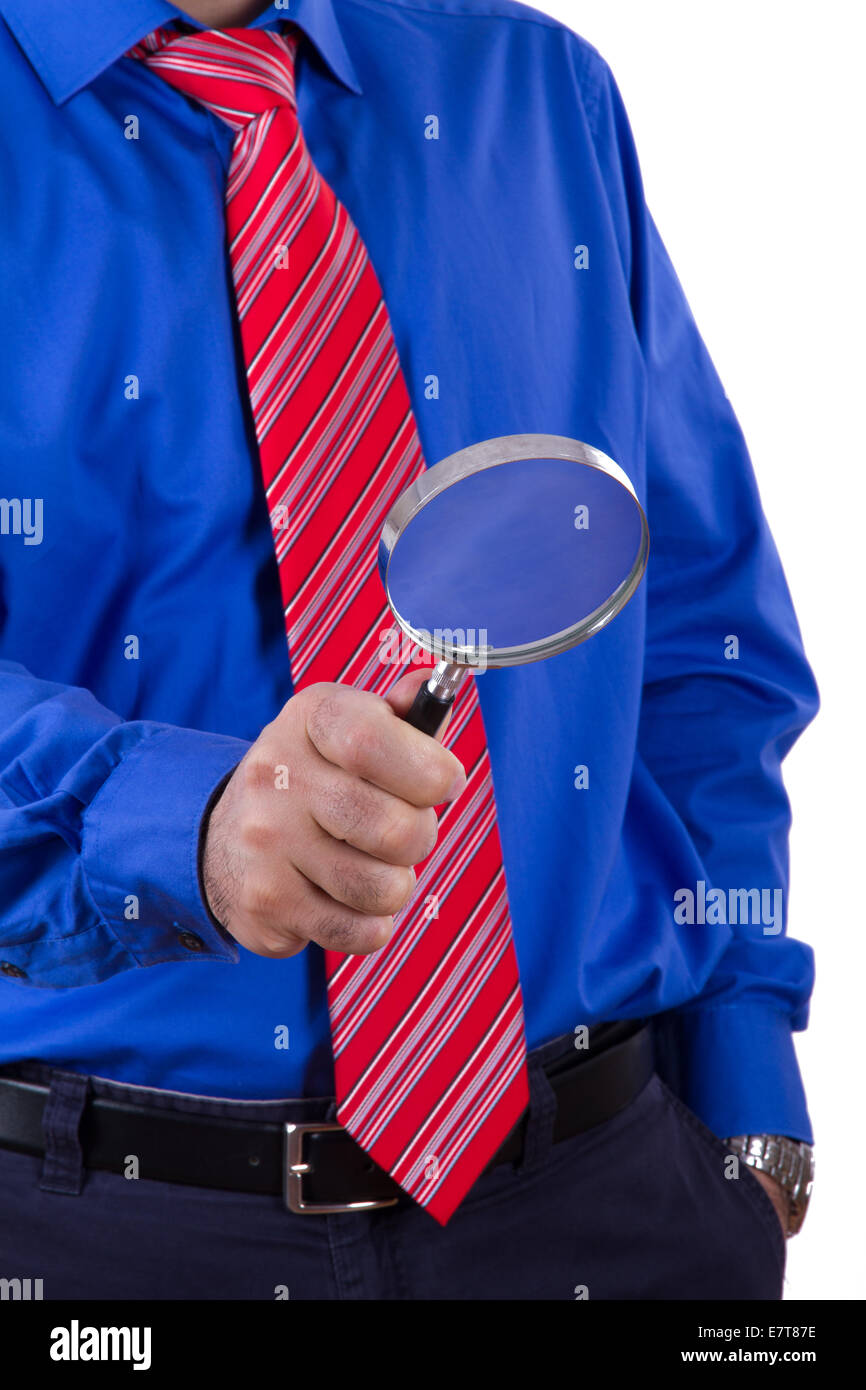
<point x="214" y="867"/>
<point x="778" y="1196"/>
<point x="785" y="1167"/>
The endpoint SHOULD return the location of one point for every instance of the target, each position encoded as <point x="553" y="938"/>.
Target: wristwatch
<point x="791" y="1163"/>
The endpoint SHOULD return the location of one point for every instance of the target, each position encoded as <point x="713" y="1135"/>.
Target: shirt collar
<point x="71" y="44"/>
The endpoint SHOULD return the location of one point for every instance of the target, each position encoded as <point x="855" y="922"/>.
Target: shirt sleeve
<point x="99" y="837"/>
<point x="727" y="687"/>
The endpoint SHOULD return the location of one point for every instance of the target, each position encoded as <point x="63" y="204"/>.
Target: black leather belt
<point x="315" y="1165"/>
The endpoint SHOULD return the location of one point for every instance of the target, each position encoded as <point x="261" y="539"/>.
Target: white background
<point x="748" y="117"/>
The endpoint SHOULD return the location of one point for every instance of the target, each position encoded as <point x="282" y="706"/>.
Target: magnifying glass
<point x="509" y="551"/>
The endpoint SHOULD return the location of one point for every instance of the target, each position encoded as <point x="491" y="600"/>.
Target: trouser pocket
<point x="736" y="1190"/>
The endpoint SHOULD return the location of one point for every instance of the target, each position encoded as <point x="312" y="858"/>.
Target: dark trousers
<point x="637" y="1208"/>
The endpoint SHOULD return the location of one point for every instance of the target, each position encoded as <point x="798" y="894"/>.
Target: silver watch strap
<point x="789" y="1161"/>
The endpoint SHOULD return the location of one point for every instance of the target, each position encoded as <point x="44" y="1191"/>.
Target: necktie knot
<point x="237" y="73"/>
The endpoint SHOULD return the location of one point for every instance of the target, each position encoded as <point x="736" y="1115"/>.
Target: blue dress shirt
<point x="483" y="152"/>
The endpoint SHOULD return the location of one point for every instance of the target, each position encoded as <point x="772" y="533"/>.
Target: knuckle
<point x="397" y="888"/>
<point x="378" y="889"/>
<point x="347" y="726"/>
<point x="260" y="900"/>
<point x="397" y="829"/>
<point x="357" y="744"/>
<point x="406" y="833"/>
<point x="350" y="934"/>
<point x="278" y="947"/>
<point x="257" y="834"/>
<point x="336" y="931"/>
<point x="259" y="770"/>
<point x="321" y="712"/>
<point x="345" y="808"/>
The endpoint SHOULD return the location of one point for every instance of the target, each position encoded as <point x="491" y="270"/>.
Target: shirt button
<point x="190" y="941"/>
<point x="14" y="972"/>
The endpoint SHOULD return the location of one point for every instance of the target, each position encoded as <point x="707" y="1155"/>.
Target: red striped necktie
<point x="427" y="1033"/>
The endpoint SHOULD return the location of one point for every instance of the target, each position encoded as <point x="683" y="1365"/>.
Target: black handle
<point x="428" y="711"/>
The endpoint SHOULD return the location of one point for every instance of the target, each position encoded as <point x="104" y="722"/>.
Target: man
<point x="270" y="1027"/>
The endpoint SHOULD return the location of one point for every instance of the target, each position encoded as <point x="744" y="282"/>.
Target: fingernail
<point x="457" y="786"/>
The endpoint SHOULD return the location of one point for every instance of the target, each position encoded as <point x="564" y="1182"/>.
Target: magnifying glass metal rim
<point x="477" y="458"/>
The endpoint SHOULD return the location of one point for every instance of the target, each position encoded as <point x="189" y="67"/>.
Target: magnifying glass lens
<point x="509" y="551"/>
<point x="515" y="554"/>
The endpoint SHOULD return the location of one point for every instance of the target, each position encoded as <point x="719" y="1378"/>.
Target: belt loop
<point x="63" y="1168"/>
<point x="541" y="1117"/>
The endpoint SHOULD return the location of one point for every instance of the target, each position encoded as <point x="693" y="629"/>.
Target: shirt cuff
<point x="736" y="1068"/>
<point x="140" y="846"/>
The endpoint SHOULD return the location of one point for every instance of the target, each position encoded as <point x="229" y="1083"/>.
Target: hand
<point x="315" y="834"/>
<point x="777" y="1195"/>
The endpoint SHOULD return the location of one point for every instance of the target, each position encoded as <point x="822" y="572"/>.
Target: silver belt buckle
<point x="295" y="1170"/>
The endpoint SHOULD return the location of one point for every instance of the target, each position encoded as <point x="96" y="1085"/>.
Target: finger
<point x="356" y="880"/>
<point x="273" y="945"/>
<point x="280" y="918"/>
<point x="335" y="927"/>
<point x="352" y="809"/>
<point x="362" y="734"/>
